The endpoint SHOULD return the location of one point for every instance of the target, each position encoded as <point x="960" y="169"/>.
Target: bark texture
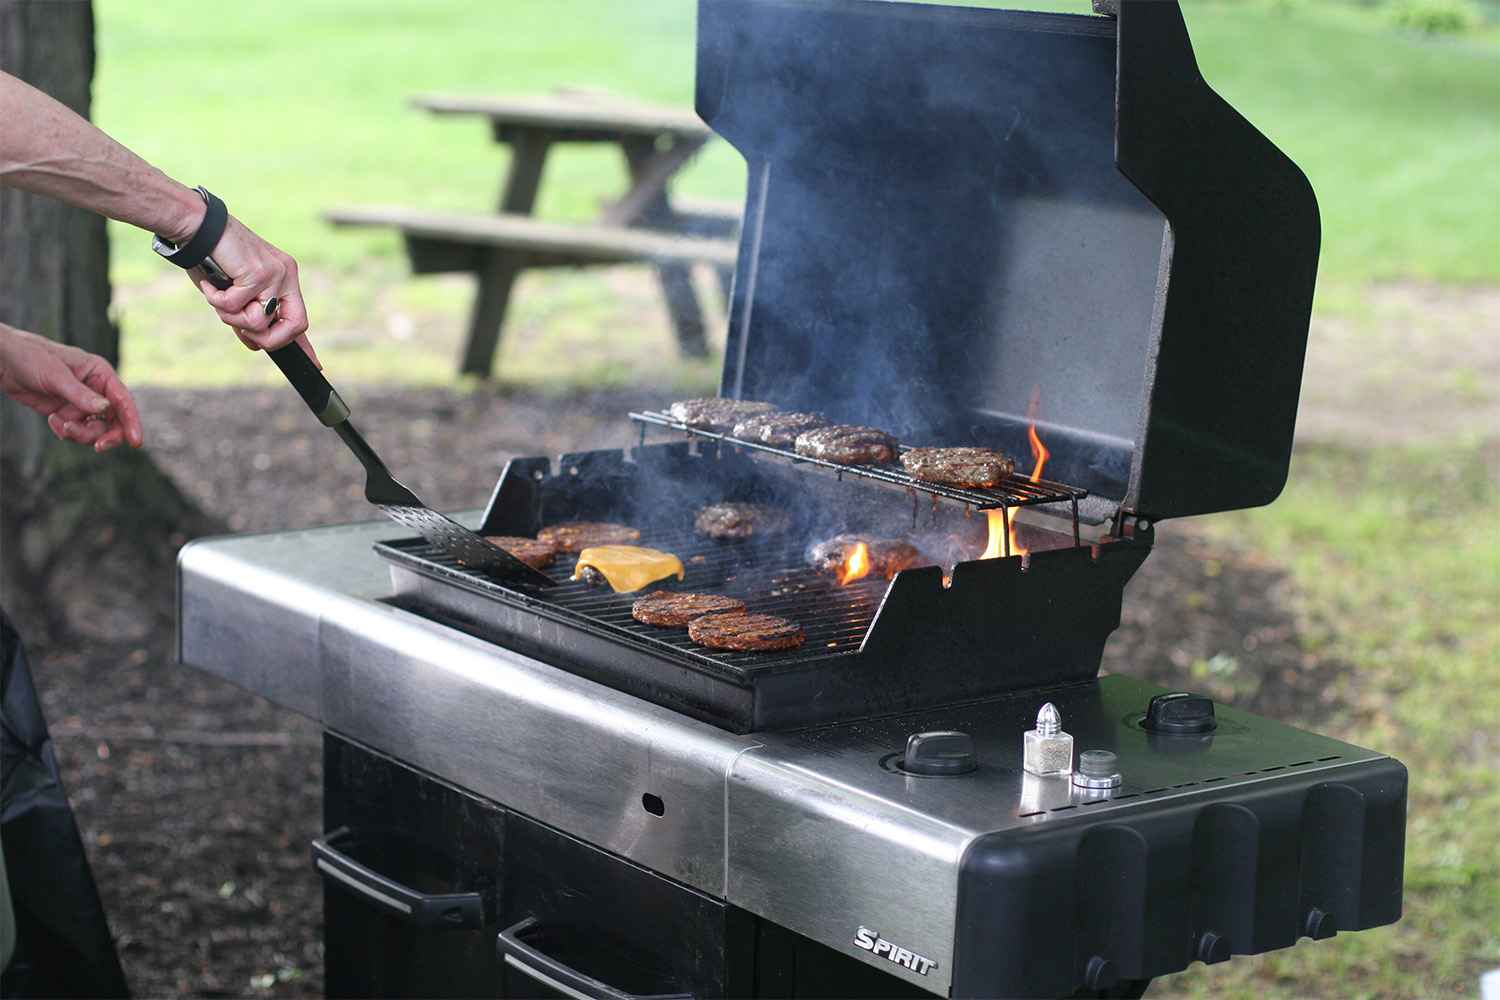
<point x="76" y="528"/>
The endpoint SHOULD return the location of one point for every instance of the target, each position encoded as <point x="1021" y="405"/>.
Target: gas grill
<point x="965" y="227"/>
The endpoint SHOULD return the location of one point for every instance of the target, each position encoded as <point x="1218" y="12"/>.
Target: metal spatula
<point x="381" y="489"/>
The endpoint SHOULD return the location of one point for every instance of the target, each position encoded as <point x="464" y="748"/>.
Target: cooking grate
<point x="1015" y="491"/>
<point x="770" y="578"/>
<point x="873" y="647"/>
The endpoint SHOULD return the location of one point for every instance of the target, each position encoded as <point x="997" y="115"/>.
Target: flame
<point x="1039" y="455"/>
<point x="856" y="566"/>
<point x="996" y="547"/>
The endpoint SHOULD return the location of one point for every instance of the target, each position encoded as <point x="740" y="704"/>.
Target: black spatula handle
<point x="310" y="384"/>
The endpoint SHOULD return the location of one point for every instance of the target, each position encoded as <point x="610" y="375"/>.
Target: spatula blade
<point x="473" y="550"/>
<point x="381" y="489"/>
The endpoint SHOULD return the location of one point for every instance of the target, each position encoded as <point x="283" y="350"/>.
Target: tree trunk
<point x="85" y="538"/>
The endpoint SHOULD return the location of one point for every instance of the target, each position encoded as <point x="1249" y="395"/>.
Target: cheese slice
<point x="629" y="567"/>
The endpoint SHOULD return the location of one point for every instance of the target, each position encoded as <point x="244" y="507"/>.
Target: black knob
<point x="1180" y="714"/>
<point x="1101" y="973"/>
<point x="1213" y="948"/>
<point x="939" y="753"/>
<point x="1319" y="924"/>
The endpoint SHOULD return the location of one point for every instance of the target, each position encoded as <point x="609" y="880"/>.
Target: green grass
<point x="1398" y="131"/>
<point x="299" y="105"/>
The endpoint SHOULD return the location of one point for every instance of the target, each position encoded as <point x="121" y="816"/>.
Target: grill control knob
<point x="1319" y="924"/>
<point x="1180" y="714"/>
<point x="1213" y="948"/>
<point x="942" y="752"/>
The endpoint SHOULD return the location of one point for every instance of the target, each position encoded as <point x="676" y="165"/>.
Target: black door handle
<point x="456" y="910"/>
<point x="528" y="960"/>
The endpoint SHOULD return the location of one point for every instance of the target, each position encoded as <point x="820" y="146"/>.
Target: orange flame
<point x="856" y="566"/>
<point x="1039" y="455"/>
<point x="996" y="548"/>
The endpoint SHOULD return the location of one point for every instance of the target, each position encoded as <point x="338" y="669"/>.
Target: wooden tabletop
<point x="582" y="112"/>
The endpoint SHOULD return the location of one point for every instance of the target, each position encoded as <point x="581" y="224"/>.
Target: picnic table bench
<point x="642" y="225"/>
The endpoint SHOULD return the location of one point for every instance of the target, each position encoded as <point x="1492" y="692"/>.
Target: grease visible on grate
<point x="770" y="578"/>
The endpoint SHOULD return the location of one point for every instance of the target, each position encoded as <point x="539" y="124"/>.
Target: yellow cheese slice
<point x="629" y="567"/>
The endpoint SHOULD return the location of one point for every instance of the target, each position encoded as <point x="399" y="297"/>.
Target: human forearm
<point x="47" y="149"/>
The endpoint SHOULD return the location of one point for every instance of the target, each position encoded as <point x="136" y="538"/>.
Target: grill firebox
<point x="922" y="639"/>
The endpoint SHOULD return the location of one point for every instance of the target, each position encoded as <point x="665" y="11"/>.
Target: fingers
<point x="124" y="419"/>
<point x="265" y="323"/>
<point x="264" y="304"/>
<point x="121" y="413"/>
<point x="100" y="431"/>
<point x="115" y="423"/>
<point x="289" y="322"/>
<point x="79" y="382"/>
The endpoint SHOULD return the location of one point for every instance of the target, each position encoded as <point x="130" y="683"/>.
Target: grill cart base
<point x="563" y="911"/>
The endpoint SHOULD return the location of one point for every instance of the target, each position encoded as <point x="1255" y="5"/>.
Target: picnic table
<point x="644" y="224"/>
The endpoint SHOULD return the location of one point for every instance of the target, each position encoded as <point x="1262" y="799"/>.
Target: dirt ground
<point x="198" y="801"/>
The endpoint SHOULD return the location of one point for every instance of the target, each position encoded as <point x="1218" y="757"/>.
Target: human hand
<point x="80" y="394"/>
<point x="261" y="275"/>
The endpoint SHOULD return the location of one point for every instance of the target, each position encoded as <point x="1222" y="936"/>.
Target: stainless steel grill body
<point x="814" y="829"/>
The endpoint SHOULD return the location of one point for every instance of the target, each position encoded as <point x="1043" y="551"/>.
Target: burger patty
<point x="847" y="444"/>
<point x="777" y="429"/>
<point x="744" y="632"/>
<point x="667" y="608"/>
<point x="888" y="556"/>
<point x="741" y="520"/>
<point x="715" y="413"/>
<point x="575" y="536"/>
<point x="533" y="552"/>
<point x="958" y="466"/>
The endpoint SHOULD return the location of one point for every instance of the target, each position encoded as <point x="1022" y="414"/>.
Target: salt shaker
<point x="1048" y="750"/>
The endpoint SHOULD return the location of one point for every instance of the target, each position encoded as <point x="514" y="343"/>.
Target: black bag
<point x="63" y="944"/>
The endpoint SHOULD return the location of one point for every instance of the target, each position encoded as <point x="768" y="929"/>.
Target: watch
<point x="196" y="250"/>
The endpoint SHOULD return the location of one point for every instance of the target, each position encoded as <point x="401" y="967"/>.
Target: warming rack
<point x="1015" y="491"/>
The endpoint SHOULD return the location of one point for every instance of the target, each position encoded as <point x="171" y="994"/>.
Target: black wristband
<point x="210" y="231"/>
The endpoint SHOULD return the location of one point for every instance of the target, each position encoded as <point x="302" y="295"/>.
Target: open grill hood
<point x="960" y="220"/>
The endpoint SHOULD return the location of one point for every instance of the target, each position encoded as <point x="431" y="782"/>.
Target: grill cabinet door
<point x="614" y="922"/>
<point x="423" y="834"/>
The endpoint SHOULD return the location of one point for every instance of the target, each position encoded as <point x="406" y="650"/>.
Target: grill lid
<point x="962" y="220"/>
